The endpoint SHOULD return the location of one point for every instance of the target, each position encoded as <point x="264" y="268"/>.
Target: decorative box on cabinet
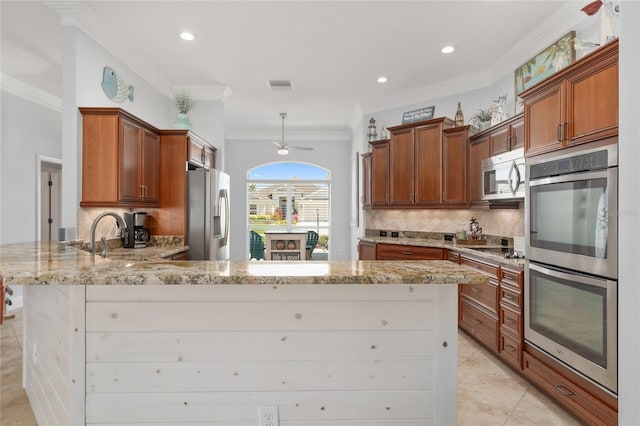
<point x="585" y="400"/>
<point x="579" y="104"/>
<point x="367" y="250"/>
<point x="366" y="180"/>
<point x="417" y="163"/>
<point x="120" y="160"/>
<point x="379" y="173"/>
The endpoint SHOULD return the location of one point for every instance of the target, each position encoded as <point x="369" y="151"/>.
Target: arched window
<point x="289" y="196"/>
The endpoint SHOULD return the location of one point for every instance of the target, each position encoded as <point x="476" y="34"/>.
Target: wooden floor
<point x="489" y="392"/>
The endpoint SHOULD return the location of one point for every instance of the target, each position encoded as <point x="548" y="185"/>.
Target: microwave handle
<point x="514" y="184"/>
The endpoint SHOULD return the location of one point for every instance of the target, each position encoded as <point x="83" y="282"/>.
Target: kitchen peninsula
<point x="134" y="339"/>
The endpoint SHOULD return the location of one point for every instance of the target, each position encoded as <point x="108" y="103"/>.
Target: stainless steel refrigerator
<point x="208" y="217"/>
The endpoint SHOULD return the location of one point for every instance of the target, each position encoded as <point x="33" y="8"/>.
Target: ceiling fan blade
<point x="301" y="148"/>
<point x="278" y="144"/>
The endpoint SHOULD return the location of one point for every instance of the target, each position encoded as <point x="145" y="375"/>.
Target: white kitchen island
<point x="210" y="343"/>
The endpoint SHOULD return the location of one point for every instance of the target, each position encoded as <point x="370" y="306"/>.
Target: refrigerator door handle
<point x="224" y="196"/>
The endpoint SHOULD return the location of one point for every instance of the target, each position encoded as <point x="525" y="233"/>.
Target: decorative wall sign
<point x="546" y="63"/>
<point x="421" y="114"/>
<point x="114" y="86"/>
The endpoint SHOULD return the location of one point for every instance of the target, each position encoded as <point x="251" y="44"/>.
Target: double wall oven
<point x="571" y="234"/>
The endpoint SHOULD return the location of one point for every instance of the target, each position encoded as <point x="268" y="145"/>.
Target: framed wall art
<point x="557" y="56"/>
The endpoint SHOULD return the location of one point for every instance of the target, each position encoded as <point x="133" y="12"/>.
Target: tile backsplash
<point x="107" y="226"/>
<point x="506" y="222"/>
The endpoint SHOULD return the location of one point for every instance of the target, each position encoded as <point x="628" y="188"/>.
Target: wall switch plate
<point x="394" y="234"/>
<point x="448" y="237"/>
<point x="268" y="415"/>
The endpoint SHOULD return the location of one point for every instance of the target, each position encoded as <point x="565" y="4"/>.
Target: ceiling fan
<point x="283" y="148"/>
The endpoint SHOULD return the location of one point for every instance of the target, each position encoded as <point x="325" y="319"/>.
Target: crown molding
<point x="31" y="93"/>
<point x="67" y="10"/>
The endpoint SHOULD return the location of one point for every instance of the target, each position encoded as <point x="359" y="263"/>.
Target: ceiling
<point x="333" y="51"/>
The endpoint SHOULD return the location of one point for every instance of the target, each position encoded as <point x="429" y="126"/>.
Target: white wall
<point x="629" y="217"/>
<point x="28" y="130"/>
<point x="335" y="156"/>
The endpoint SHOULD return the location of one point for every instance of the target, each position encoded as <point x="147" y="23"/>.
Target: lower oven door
<point x="573" y="317"/>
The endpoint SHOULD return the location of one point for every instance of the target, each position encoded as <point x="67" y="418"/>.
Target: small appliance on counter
<point x="136" y="235"/>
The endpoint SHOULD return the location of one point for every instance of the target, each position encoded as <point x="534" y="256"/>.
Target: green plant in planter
<point x="183" y="101"/>
<point x="482" y="118"/>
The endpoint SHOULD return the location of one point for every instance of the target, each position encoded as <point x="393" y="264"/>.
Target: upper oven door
<point x="572" y="221"/>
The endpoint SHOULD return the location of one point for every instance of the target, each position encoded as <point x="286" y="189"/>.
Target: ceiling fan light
<point x="283" y="151"/>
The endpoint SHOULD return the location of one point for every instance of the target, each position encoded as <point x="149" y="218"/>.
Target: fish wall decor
<point x="115" y="87"/>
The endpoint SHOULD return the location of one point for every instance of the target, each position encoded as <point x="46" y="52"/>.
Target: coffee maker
<point x="136" y="235"/>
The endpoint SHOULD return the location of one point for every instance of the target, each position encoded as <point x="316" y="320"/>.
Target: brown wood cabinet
<point x="176" y="149"/>
<point x="366" y="180"/>
<point x="511" y="316"/>
<point x="507" y="136"/>
<point x="455" y="166"/>
<point x="200" y="153"/>
<point x="120" y="160"/>
<point x="579" y="104"/>
<point x="386" y="251"/>
<point x="580" y="397"/>
<point x="424" y="166"/>
<point x="379" y="173"/>
<point x="478" y="151"/>
<point x="366" y="250"/>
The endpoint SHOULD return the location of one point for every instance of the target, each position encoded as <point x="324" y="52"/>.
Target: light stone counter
<point x="34" y="263"/>
<point x="99" y="350"/>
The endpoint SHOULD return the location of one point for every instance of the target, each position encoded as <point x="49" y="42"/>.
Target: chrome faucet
<point x="94" y="224"/>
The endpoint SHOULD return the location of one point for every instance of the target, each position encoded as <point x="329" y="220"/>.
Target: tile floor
<point x="489" y="392"/>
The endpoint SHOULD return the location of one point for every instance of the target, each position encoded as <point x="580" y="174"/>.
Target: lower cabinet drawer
<point x="576" y="399"/>
<point x="511" y="320"/>
<point x="483" y="294"/>
<point x="405" y="252"/>
<point x="482" y="325"/>
<point x="510" y="350"/>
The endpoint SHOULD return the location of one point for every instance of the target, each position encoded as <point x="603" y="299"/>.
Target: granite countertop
<point x="53" y="263"/>
<point x="450" y="245"/>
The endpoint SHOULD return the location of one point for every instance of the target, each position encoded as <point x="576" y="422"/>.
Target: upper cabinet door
<point x="428" y="164"/>
<point x="517" y="134"/>
<point x="592" y="103"/>
<point x="455" y="152"/>
<point x="131" y="188"/>
<point x="544" y="114"/>
<point x="380" y="174"/>
<point x="151" y="166"/>
<point x="401" y="162"/>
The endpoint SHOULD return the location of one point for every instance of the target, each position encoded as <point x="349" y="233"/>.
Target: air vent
<point x="280" y="85"/>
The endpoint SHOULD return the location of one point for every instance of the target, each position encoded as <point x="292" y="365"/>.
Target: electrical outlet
<point x="268" y="415"/>
<point x="448" y="237"/>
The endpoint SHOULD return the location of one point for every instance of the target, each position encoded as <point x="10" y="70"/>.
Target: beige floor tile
<point x="536" y="409"/>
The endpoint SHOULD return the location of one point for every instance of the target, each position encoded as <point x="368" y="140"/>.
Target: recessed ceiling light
<point x="382" y="79"/>
<point x="186" y="36"/>
<point x="448" y="49"/>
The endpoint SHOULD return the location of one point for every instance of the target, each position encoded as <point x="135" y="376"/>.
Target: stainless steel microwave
<point x="503" y="176"/>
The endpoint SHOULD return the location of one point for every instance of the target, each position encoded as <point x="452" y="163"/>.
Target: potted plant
<point x="184" y="103"/>
<point x="482" y="118"/>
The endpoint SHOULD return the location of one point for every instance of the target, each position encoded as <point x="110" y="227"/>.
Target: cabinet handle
<point x="141" y="191"/>
<point x="510" y="297"/>
<point x="510" y="320"/>
<point x="563" y="390"/>
<point x="407" y="252"/>
<point x="146" y="191"/>
<point x="559" y="133"/>
<point x="475" y="289"/>
<point x="477" y="321"/>
<point x="511" y="348"/>
<point x="565" y="125"/>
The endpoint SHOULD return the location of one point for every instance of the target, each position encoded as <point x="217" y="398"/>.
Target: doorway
<point x="49" y="209"/>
